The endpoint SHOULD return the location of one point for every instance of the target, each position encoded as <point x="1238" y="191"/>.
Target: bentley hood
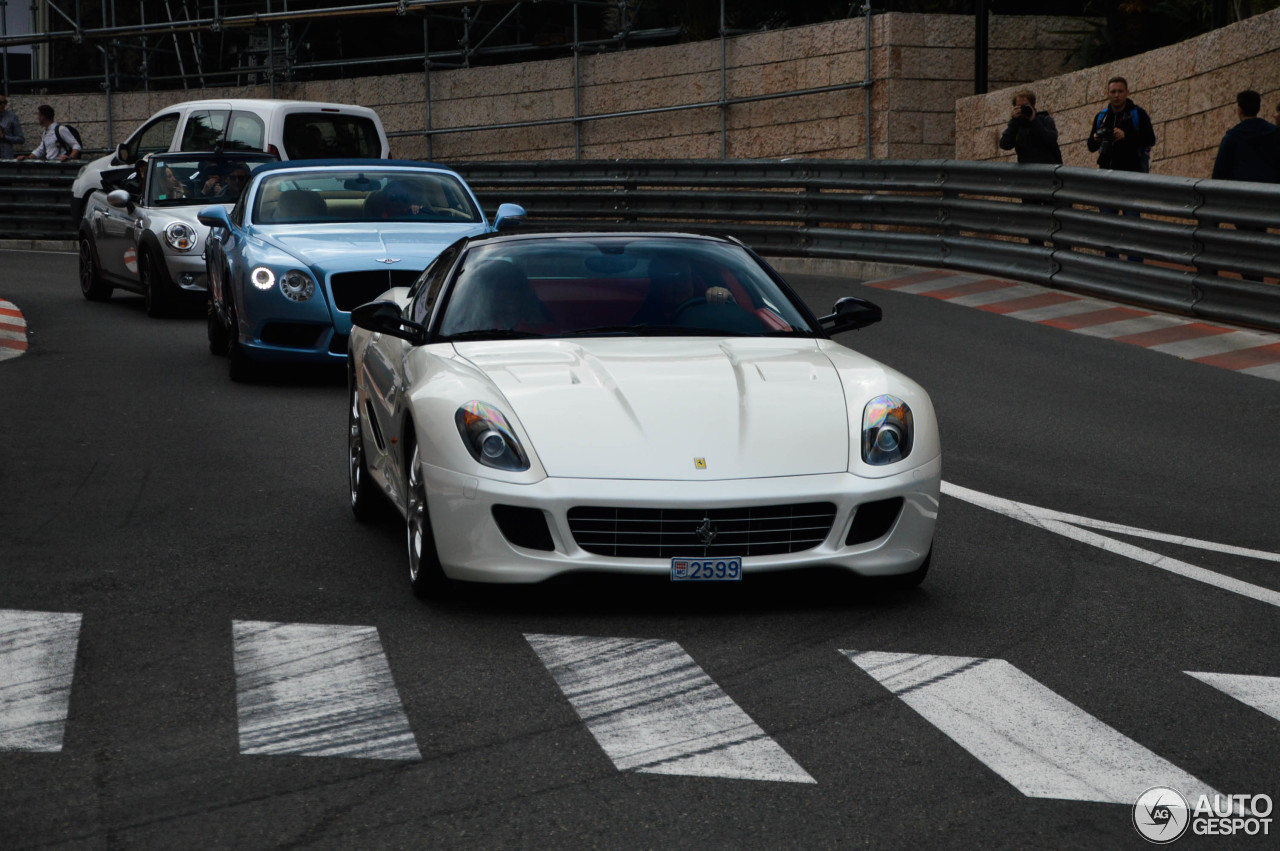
<point x="354" y="246"/>
<point x="681" y="409"/>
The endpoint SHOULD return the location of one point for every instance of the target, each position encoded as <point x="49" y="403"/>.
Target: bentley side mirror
<point x="214" y="217"/>
<point x="850" y="313"/>
<point x="383" y="317"/>
<point x="508" y="216"/>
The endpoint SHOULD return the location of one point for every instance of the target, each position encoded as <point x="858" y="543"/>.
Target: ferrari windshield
<point x="344" y="195"/>
<point x="183" y="179"/>
<point x="616" y="285"/>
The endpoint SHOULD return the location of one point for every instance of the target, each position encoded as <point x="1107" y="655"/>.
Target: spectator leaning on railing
<point x="57" y="143"/>
<point x="11" y="137"/>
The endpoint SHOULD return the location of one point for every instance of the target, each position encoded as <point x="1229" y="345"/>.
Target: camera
<point x="1106" y="134"/>
<point x="1024" y="111"/>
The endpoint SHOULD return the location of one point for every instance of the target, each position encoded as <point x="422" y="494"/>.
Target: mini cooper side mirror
<point x="508" y="216"/>
<point x="383" y="317"/>
<point x="119" y="198"/>
<point x="214" y="217"/>
<point x="850" y="313"/>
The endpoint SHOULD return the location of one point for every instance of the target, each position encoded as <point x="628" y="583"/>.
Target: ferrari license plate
<point x="706" y="569"/>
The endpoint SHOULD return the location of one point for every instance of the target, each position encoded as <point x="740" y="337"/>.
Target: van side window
<point x="152" y="138"/>
<point x="324" y="135"/>
<point x="246" y="133"/>
<point x="204" y="129"/>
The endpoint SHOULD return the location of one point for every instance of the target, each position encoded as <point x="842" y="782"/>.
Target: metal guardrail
<point x="1051" y="225"/>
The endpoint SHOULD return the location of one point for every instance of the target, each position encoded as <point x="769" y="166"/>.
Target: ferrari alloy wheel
<point x="92" y="286"/>
<point x="363" y="493"/>
<point x="425" y="573"/>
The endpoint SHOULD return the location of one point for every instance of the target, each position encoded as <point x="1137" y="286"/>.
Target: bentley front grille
<point x="670" y="532"/>
<point x="352" y="289"/>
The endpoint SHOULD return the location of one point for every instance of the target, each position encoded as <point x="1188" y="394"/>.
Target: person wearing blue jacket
<point x="1122" y="134"/>
<point x="1251" y="149"/>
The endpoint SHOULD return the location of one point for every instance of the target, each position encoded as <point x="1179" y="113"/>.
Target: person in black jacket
<point x="1251" y="149"/>
<point x="1030" y="134"/>
<point x="1122" y="134"/>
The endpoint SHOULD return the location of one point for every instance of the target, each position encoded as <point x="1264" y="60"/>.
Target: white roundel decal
<point x="131" y="259"/>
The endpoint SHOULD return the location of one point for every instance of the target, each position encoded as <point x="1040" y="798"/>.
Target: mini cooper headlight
<point x="263" y="278"/>
<point x="489" y="438"/>
<point x="887" y="430"/>
<point x="180" y="236"/>
<point x="297" y="285"/>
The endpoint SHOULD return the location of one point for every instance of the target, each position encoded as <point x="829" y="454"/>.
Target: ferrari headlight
<point x="297" y="285"/>
<point x="887" y="430"/>
<point x="263" y="278"/>
<point x="489" y="438"/>
<point x="180" y="236"/>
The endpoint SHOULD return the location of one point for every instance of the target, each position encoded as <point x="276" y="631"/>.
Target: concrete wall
<point x="1189" y="89"/>
<point x="920" y="65"/>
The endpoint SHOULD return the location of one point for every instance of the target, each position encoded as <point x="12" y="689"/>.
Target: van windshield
<point x="330" y="135"/>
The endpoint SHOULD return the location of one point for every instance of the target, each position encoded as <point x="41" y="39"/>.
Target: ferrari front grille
<point x="352" y="289"/>
<point x="669" y="532"/>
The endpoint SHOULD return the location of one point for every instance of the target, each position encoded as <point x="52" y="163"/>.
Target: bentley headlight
<point x="180" y="236"/>
<point x="297" y="285"/>
<point x="489" y="438"/>
<point x="887" y="430"/>
<point x="263" y="278"/>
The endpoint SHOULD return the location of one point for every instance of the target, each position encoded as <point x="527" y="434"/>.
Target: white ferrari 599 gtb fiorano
<point x="641" y="403"/>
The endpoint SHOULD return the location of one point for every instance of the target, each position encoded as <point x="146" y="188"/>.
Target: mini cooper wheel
<point x="155" y="285"/>
<point x="425" y="574"/>
<point x="92" y="286"/>
<point x="364" y="496"/>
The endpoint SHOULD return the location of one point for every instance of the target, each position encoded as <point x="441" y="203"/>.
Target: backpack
<point x="63" y="146"/>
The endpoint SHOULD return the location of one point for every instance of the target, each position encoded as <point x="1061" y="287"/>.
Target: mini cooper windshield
<point x="603" y="286"/>
<point x="182" y="180"/>
<point x="343" y="195"/>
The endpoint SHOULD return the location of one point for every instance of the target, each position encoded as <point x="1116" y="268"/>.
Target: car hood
<point x="356" y="246"/>
<point x="676" y="408"/>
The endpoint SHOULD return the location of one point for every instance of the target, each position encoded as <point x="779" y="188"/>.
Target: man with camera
<point x="1030" y="134"/>
<point x="1122" y="133"/>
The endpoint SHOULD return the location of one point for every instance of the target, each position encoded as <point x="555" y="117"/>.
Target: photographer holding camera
<point x="1031" y="134"/>
<point x="1122" y="133"/>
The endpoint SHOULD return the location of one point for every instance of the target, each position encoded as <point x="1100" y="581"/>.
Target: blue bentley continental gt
<point x="308" y="241"/>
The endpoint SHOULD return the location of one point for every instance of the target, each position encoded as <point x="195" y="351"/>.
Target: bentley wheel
<point x="239" y="367"/>
<point x="215" y="329"/>
<point x="92" y="286"/>
<point x="155" y="285"/>
<point x="425" y="573"/>
<point x="365" y="500"/>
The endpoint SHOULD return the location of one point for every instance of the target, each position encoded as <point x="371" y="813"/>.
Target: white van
<point x="290" y="129"/>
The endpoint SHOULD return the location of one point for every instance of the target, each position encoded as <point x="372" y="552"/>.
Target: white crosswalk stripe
<point x="654" y="710"/>
<point x="1262" y="693"/>
<point x="1041" y="743"/>
<point x="37" y="661"/>
<point x="317" y="690"/>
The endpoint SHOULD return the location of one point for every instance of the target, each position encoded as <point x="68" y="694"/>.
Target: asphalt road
<point x="165" y="505"/>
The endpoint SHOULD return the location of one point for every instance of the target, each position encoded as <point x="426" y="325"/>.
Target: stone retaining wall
<point x="1189" y="89"/>
<point x="920" y="65"/>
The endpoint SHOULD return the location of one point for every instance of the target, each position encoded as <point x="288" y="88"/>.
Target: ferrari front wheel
<point x="364" y="496"/>
<point x="425" y="574"/>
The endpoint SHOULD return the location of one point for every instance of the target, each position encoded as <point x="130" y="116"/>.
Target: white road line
<point x="1203" y="347"/>
<point x="1041" y="743"/>
<point x="1060" y="310"/>
<point x="1044" y="519"/>
<point x="1140" y="325"/>
<point x="37" y="660"/>
<point x="317" y="690"/>
<point x="654" y="710"/>
<point x="1262" y="693"/>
